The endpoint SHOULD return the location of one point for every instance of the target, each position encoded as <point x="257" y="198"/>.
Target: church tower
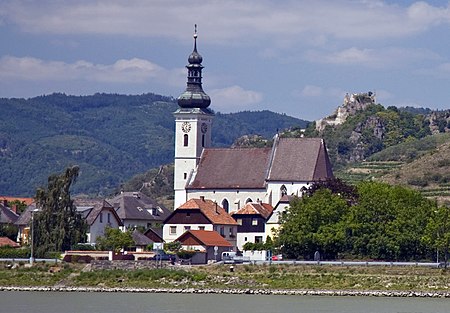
<point x="193" y="122"/>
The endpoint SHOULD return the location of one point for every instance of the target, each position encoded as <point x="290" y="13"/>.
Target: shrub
<point x="186" y="254"/>
<point x="83" y="247"/>
<point x="13" y="253"/>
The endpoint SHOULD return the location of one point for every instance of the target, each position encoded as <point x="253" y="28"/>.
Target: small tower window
<point x="186" y="140"/>
<point x="185" y="175"/>
<point x="283" y="190"/>
<point x="203" y="141"/>
<point x="248" y="200"/>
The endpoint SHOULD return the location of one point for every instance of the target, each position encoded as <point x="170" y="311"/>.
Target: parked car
<point x="160" y="255"/>
<point x="277" y="257"/>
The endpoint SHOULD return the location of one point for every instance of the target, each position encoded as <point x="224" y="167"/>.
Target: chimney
<point x="217" y="208"/>
<point x="14" y="208"/>
<point x="202" y="198"/>
<point x="5" y="202"/>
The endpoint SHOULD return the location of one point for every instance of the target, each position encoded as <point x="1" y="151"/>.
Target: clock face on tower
<point x="186" y="127"/>
<point x="204" y="128"/>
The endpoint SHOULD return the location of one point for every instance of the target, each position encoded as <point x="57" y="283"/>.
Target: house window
<point x="186" y="140"/>
<point x="173" y="230"/>
<point x="225" y="204"/>
<point x="101" y="217"/>
<point x="245" y="239"/>
<point x="203" y="140"/>
<point x="154" y="211"/>
<point x="231" y="232"/>
<point x="185" y="175"/>
<point x="258" y="239"/>
<point x="201" y="228"/>
<point x="254" y="221"/>
<point x="283" y="190"/>
<point x="239" y="221"/>
<point x="188" y="214"/>
<point x="222" y="231"/>
<point x="248" y="200"/>
<point x="186" y="228"/>
<point x="109" y="218"/>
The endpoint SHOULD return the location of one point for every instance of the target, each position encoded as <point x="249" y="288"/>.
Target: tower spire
<point x="194" y="96"/>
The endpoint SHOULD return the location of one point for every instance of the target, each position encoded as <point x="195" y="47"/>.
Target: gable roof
<point x="223" y="168"/>
<point x="7" y="216"/>
<point x="5" y="241"/>
<point x="158" y="232"/>
<point x="136" y="206"/>
<point x="205" y="237"/>
<point x="97" y="208"/>
<point x="290" y="159"/>
<point x="140" y="239"/>
<point x="263" y="209"/>
<point x="213" y="212"/>
<point x="25" y="217"/>
<point x="299" y="159"/>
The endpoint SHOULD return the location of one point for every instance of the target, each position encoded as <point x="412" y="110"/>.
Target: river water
<point x="74" y="302"/>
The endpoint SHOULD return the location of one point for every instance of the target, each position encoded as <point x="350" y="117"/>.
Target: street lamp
<point x="32" y="236"/>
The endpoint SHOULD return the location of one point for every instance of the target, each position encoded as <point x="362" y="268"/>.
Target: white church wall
<point x="236" y="198"/>
<point x="292" y="188"/>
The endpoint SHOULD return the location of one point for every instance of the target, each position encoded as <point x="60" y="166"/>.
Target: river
<point x="75" y="302"/>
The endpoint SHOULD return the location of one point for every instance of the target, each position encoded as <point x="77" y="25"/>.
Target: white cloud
<point x="312" y="91"/>
<point x="233" y="20"/>
<point x="234" y="98"/>
<point x="122" y="71"/>
<point x="372" y="58"/>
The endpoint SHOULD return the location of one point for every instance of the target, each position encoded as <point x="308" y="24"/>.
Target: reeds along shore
<point x="353" y="293"/>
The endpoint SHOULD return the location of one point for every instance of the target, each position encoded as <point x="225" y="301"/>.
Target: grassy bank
<point x="243" y="277"/>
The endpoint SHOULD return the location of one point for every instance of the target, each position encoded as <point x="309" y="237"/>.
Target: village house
<point x="200" y="214"/>
<point x="251" y="220"/>
<point x="208" y="244"/>
<point x="98" y="215"/>
<point x="136" y="209"/>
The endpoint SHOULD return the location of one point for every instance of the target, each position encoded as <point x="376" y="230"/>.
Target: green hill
<point x="111" y="137"/>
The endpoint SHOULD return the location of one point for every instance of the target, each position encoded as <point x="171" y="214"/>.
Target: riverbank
<point x="238" y="279"/>
<point x="353" y="293"/>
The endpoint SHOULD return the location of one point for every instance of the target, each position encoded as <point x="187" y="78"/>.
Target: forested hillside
<point x="111" y="137"/>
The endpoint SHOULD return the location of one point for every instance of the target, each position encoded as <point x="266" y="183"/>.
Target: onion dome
<point x="194" y="96"/>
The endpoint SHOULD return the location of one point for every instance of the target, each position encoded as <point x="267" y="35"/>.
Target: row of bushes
<point x="13" y="253"/>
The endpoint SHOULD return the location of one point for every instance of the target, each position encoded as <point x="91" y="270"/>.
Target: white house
<point x="200" y="214"/>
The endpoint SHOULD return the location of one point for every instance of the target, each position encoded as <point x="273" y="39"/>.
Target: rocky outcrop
<point x="352" y="104"/>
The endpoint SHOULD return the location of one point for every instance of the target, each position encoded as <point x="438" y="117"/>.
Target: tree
<point x="115" y="240"/>
<point x="58" y="225"/>
<point x="437" y="234"/>
<point x="314" y="223"/>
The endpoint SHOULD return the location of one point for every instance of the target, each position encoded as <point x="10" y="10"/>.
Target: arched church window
<point x="225" y="205"/>
<point x="203" y="141"/>
<point x="186" y="140"/>
<point x="283" y="190"/>
<point x="248" y="200"/>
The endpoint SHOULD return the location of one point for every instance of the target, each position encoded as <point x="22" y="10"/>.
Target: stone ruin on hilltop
<point x="352" y="103"/>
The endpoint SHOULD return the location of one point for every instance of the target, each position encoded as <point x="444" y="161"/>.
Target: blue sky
<point x="292" y="57"/>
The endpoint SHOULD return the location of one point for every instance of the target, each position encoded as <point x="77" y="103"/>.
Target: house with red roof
<point x="252" y="219"/>
<point x="200" y="214"/>
<point x="210" y="245"/>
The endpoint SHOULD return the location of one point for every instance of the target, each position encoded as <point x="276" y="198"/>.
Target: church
<point x="233" y="177"/>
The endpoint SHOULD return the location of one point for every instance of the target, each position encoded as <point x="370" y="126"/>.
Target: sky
<point x="297" y="57"/>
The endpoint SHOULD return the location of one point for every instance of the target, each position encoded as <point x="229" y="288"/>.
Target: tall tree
<point x="437" y="233"/>
<point x="58" y="225"/>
